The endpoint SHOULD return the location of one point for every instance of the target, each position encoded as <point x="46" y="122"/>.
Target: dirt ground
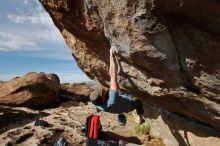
<point x="17" y="126"/>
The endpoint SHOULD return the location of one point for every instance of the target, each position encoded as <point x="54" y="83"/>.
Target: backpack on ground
<point x="93" y="127"/>
<point x="93" y="132"/>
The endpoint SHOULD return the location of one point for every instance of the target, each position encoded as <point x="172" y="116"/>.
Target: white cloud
<point x="47" y="30"/>
<point x="26" y="26"/>
<point x="40" y="19"/>
<point x="51" y="36"/>
<point x="32" y="29"/>
<point x="15" y="42"/>
<point x="25" y="2"/>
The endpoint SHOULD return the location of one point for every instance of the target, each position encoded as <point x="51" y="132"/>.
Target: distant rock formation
<point x="78" y="92"/>
<point x="168" y="50"/>
<point x="34" y="90"/>
<point x="1" y="83"/>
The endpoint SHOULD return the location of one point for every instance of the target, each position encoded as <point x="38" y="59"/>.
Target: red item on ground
<point x="94" y="127"/>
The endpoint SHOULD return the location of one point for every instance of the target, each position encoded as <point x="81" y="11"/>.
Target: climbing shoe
<point x="122" y="119"/>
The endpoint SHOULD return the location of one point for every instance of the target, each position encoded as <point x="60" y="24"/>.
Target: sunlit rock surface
<point x="33" y="90"/>
<point x="168" y="49"/>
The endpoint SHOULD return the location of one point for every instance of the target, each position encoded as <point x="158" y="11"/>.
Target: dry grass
<point x="143" y="132"/>
<point x="142" y="129"/>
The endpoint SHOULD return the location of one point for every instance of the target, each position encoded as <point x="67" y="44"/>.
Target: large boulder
<point x="34" y="90"/>
<point x="78" y="92"/>
<point x="168" y="50"/>
<point x="1" y="83"/>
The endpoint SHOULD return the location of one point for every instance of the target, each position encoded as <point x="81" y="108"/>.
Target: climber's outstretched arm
<point x="113" y="71"/>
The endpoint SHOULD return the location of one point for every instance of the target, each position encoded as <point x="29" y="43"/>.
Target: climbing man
<point x="109" y="100"/>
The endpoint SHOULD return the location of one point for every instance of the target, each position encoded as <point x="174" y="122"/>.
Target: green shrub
<point x="142" y="129"/>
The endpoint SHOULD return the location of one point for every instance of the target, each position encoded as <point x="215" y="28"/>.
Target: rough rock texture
<point x="1" y="83"/>
<point x="178" y="131"/>
<point x="168" y="49"/>
<point x="34" y="90"/>
<point x="76" y="92"/>
<point x="67" y="120"/>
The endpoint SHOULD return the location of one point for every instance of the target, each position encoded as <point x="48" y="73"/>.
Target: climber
<point x="109" y="100"/>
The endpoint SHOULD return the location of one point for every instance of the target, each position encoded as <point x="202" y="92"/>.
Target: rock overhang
<point x="168" y="50"/>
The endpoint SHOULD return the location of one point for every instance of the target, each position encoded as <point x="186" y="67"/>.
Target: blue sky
<point x="29" y="41"/>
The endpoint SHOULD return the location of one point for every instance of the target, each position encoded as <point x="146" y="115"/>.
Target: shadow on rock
<point x="68" y="96"/>
<point x="187" y="127"/>
<point x="8" y="117"/>
<point x="110" y="136"/>
<point x="179" y="126"/>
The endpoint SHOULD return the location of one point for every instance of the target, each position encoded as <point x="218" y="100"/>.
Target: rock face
<point x="76" y="92"/>
<point x="168" y="50"/>
<point x="1" y="83"/>
<point x="34" y="90"/>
